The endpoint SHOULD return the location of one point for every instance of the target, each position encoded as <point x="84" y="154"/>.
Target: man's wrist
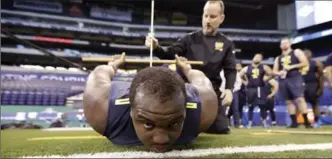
<point x="228" y="89"/>
<point x="186" y="72"/>
<point x="114" y="66"/>
<point x="158" y="48"/>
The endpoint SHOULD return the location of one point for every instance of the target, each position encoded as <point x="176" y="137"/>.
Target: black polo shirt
<point x="215" y="51"/>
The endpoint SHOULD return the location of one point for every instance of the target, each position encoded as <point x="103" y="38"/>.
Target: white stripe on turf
<point x="198" y="152"/>
<point x="67" y="129"/>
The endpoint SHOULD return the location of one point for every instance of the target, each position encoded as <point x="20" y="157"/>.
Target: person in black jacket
<point x="211" y="47"/>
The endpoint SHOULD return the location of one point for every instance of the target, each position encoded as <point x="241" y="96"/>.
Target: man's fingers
<point x="227" y="98"/>
<point x="222" y="95"/>
<point x="226" y="101"/>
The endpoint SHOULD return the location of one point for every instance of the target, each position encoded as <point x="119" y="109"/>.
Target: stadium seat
<point x="38" y="97"/>
<point x="45" y="97"/>
<point x="14" y="97"/>
<point x="53" y="98"/>
<point x="31" y="97"/>
<point x="5" y="97"/>
<point x="22" y="96"/>
<point x="61" y="98"/>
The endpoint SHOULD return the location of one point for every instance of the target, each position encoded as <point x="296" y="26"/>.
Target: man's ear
<point x="222" y="18"/>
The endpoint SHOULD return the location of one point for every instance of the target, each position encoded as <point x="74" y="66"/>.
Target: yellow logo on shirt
<point x="122" y="101"/>
<point x="219" y="46"/>
<point x="191" y="105"/>
<point x="286" y="61"/>
<point x="255" y="73"/>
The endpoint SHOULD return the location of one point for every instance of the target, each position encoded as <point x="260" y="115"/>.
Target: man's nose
<point x="161" y="137"/>
<point x="208" y="19"/>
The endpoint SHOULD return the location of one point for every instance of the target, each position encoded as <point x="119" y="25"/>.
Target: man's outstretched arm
<point x="168" y="52"/>
<point x="208" y="97"/>
<point x="97" y="91"/>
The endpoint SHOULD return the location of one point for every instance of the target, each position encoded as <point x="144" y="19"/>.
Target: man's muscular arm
<point x="208" y="97"/>
<point x="303" y="60"/>
<point x="243" y="71"/>
<point x="96" y="94"/>
<point x="275" y="87"/>
<point x="268" y="71"/>
<point x="243" y="76"/>
<point x="328" y="69"/>
<point x="320" y="77"/>
<point x="275" y="70"/>
<point x="328" y="75"/>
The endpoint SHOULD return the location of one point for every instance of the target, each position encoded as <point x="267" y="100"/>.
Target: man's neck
<point x="212" y="34"/>
<point x="255" y="65"/>
<point x="286" y="52"/>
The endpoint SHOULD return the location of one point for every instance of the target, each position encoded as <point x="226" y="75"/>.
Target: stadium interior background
<point x="42" y="89"/>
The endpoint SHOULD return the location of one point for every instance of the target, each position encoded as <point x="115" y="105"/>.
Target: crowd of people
<point x="295" y="76"/>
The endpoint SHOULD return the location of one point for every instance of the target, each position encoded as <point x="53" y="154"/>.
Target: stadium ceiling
<point x="254" y="4"/>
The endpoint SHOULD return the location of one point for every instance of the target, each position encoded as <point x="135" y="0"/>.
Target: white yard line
<point x="301" y="132"/>
<point x="198" y="152"/>
<point x="67" y="129"/>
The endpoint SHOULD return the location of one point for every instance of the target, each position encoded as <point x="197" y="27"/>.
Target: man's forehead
<point x="285" y="40"/>
<point x="212" y="7"/>
<point x="158" y="115"/>
<point x="154" y="104"/>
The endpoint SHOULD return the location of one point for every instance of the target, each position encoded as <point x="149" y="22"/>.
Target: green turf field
<point x="19" y="143"/>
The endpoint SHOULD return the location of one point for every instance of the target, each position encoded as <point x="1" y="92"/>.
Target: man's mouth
<point x="159" y="148"/>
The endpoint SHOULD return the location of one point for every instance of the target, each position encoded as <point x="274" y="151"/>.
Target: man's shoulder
<point x="226" y="38"/>
<point x="120" y="93"/>
<point x="328" y="61"/>
<point x="192" y="93"/>
<point x="194" y="34"/>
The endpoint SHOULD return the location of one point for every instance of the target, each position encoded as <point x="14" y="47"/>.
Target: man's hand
<point x="269" y="96"/>
<point x="319" y="92"/>
<point x="182" y="62"/>
<point x="149" y="39"/>
<point x="277" y="73"/>
<point x="117" y="60"/>
<point x="288" y="67"/>
<point x="227" y="97"/>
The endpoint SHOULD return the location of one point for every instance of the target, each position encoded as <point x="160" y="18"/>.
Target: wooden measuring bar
<point x="139" y="61"/>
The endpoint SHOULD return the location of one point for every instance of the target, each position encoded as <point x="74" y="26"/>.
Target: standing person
<point x="271" y="88"/>
<point x="287" y="66"/>
<point x="234" y="108"/>
<point x="242" y="100"/>
<point x="214" y="49"/>
<point x="314" y="82"/>
<point x="255" y="74"/>
<point x="328" y="69"/>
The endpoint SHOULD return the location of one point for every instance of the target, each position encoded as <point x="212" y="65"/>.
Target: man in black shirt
<point x="211" y="47"/>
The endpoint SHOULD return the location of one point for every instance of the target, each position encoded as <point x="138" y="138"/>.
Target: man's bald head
<point x="213" y="16"/>
<point x="216" y="2"/>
